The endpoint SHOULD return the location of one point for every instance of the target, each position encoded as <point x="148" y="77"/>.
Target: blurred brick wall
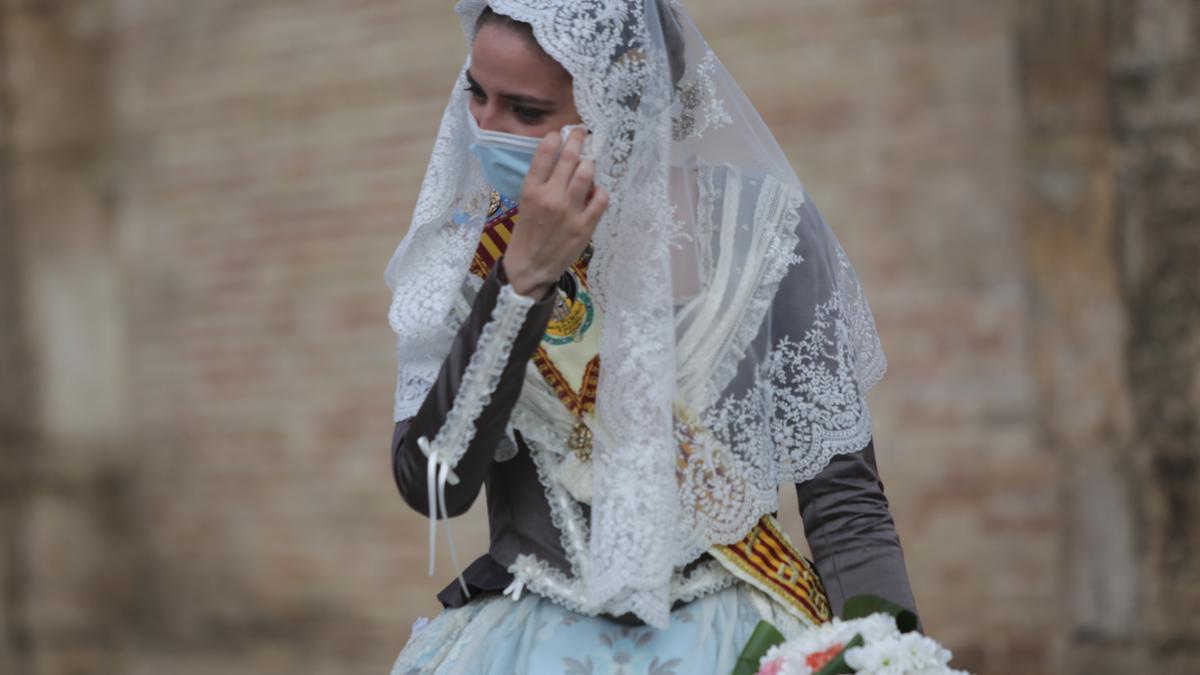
<point x="1155" y="81"/>
<point x="1111" y="93"/>
<point x="270" y="153"/>
<point x="1078" y="323"/>
<point x="66" y="464"/>
<point x="200" y="198"/>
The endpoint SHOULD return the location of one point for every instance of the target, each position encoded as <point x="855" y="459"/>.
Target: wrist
<point x="524" y="283"/>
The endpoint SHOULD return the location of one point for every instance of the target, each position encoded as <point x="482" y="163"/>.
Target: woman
<point x="617" y="309"/>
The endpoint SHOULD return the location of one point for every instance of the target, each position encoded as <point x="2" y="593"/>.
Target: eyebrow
<point x="515" y="98"/>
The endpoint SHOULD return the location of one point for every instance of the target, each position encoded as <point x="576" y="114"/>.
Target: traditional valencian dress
<point x="633" y="426"/>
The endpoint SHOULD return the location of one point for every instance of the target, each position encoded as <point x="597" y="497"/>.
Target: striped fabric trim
<point x="580" y="403"/>
<point x="767" y="560"/>
<point x="493" y="241"/>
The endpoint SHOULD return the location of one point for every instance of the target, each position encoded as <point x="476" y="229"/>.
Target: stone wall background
<point x="197" y="201"/>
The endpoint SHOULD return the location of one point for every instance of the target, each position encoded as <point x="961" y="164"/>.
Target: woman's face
<point x="517" y="88"/>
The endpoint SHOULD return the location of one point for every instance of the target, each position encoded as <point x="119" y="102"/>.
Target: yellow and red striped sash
<point x="767" y="560"/>
<point x="494" y="241"/>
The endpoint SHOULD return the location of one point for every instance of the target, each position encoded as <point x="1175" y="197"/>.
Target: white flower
<point x="908" y="654"/>
<point x="885" y="650"/>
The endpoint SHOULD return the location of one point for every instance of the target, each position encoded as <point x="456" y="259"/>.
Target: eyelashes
<point x="523" y="113"/>
<point x="529" y="115"/>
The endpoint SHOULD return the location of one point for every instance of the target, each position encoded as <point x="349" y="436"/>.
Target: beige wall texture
<point x="197" y="199"/>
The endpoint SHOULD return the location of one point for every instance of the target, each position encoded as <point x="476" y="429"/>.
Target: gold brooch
<point x="580" y="441"/>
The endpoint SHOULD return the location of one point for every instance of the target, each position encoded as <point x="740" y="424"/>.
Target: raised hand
<point x="560" y="207"/>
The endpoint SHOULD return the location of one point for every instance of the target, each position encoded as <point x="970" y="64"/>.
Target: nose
<point x="487" y="117"/>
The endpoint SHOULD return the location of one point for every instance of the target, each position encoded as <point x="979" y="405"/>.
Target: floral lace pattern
<point x="422" y="310"/>
<point x="805" y="407"/>
<point x="699" y="106"/>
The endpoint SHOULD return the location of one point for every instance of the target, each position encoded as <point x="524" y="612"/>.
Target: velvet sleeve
<point x="851" y="532"/>
<point x="409" y="464"/>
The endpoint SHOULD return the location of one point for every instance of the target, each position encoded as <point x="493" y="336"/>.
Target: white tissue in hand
<point x="590" y="142"/>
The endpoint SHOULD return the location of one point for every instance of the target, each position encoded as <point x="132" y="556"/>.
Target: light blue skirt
<point x="497" y="636"/>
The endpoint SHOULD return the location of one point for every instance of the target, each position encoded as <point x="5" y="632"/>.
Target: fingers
<point x="543" y="158"/>
<point x="568" y="160"/>
<point x="581" y="183"/>
<point x="595" y="207"/>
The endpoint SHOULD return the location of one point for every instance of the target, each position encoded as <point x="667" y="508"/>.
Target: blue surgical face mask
<point x="505" y="157"/>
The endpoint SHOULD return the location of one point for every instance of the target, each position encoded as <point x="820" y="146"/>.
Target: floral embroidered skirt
<point x="495" y="635"/>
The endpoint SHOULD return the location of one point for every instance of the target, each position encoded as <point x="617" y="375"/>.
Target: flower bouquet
<point x="873" y="636"/>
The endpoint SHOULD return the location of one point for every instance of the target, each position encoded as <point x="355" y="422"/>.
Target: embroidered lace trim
<point x="538" y="576"/>
<point x="482" y="375"/>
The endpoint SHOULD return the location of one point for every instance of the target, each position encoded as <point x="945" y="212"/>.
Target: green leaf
<point x="862" y="606"/>
<point x="761" y="640"/>
<point x="837" y="665"/>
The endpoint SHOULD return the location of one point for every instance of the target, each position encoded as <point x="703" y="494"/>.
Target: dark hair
<point x="672" y="34"/>
<point x="490" y="18"/>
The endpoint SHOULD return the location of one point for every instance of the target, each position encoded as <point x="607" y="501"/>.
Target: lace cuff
<point x="480" y="378"/>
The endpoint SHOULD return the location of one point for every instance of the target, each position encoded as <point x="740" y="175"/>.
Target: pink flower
<point x="771" y="667"/>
